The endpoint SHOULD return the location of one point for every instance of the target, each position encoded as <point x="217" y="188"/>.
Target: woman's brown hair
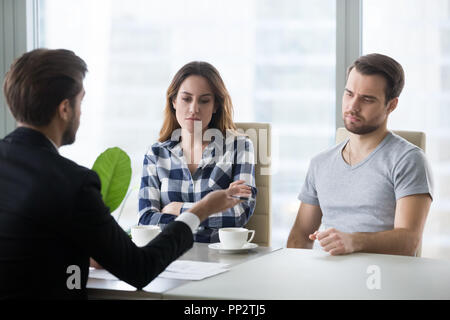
<point x="222" y="119"/>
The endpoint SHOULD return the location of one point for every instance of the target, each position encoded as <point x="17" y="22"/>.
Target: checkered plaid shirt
<point x="166" y="178"/>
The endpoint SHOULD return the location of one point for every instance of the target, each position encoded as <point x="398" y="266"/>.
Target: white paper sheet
<point x="193" y="270"/>
<point x="179" y="269"/>
<point x="101" y="274"/>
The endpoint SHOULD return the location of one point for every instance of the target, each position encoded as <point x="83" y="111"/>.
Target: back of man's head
<point x="39" y="81"/>
<point x="388" y="68"/>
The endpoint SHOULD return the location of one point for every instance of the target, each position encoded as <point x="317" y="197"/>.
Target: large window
<point x="417" y="34"/>
<point x="277" y="59"/>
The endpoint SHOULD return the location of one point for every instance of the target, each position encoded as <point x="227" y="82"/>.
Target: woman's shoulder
<point x="161" y="148"/>
<point x="238" y="138"/>
<point x="239" y="143"/>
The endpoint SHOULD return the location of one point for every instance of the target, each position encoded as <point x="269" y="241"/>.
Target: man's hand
<point x="94" y="264"/>
<point x="238" y="183"/>
<point x="173" y="208"/>
<point x="221" y="200"/>
<point x="334" y="241"/>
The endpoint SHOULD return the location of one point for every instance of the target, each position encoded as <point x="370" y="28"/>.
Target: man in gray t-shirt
<point x="372" y="192"/>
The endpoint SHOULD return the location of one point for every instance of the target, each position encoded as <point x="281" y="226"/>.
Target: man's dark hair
<point x="388" y="68"/>
<point x="39" y="81"/>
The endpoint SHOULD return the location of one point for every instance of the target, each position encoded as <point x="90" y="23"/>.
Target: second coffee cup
<point x="143" y="234"/>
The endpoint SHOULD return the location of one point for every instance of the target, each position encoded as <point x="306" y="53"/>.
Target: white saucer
<point x="246" y="247"/>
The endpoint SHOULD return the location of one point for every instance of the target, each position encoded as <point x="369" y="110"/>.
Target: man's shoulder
<point x="398" y="148"/>
<point x="400" y="142"/>
<point x="76" y="172"/>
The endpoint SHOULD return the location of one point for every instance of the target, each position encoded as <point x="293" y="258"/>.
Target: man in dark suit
<point x="52" y="217"/>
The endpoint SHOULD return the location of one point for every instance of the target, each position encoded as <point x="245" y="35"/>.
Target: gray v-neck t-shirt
<point x="362" y="198"/>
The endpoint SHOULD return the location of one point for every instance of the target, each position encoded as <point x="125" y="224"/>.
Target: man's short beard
<point x="68" y="136"/>
<point x="361" y="130"/>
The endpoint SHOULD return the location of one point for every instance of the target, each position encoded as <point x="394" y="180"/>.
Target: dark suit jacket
<point x="52" y="217"/>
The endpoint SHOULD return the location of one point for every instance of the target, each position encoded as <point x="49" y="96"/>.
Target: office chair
<point x="260" y="134"/>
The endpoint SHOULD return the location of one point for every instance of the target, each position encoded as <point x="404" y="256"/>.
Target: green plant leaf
<point x="114" y="169"/>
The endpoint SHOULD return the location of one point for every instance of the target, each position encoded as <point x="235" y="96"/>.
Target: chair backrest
<point x="260" y="134"/>
<point x="417" y="138"/>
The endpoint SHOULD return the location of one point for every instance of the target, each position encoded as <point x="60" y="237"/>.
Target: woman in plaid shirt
<point x="199" y="150"/>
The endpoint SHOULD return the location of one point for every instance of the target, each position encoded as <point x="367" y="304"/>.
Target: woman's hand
<point x="221" y="200"/>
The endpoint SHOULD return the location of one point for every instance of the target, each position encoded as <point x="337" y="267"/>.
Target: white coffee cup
<point x="143" y="234"/>
<point x="234" y="238"/>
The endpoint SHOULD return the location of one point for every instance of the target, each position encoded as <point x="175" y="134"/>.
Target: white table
<point x="113" y="289"/>
<point x="311" y="274"/>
